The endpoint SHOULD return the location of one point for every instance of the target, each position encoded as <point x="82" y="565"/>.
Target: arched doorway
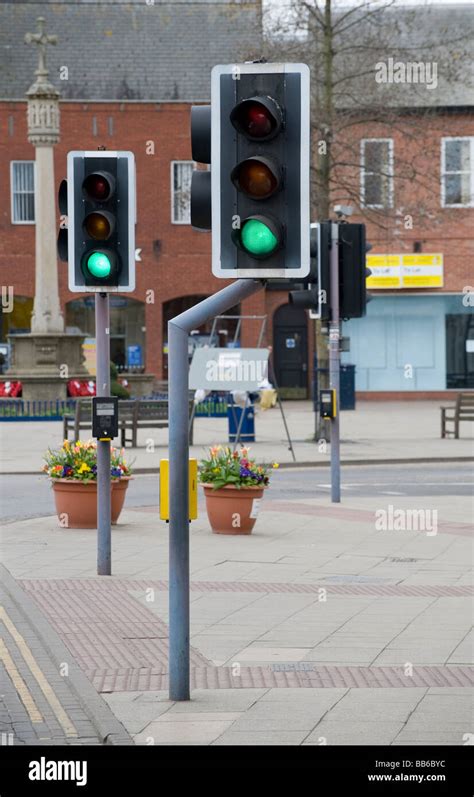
<point x="290" y="351"/>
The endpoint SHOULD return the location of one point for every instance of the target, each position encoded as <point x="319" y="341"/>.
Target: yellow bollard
<point x="165" y="490"/>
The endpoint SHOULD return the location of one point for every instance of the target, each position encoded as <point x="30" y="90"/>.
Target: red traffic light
<point x="98" y="186"/>
<point x="257" y="177"/>
<point x="258" y="118"/>
<point x="99" y="225"/>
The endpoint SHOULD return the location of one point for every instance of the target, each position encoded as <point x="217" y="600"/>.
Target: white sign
<point x="228" y="369"/>
<point x="255" y="507"/>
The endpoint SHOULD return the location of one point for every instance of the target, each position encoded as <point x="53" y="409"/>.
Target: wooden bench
<point x="82" y="418"/>
<point x="463" y="410"/>
<point x="152" y="414"/>
<point x="134" y="414"/>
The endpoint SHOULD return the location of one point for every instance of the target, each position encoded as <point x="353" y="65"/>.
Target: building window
<point x="23" y="192"/>
<point x="457" y="172"/>
<point x="376" y="172"/>
<point x="181" y="172"/>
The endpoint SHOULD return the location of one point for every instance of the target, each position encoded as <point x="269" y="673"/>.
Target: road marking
<point x="45" y="687"/>
<point x="390" y="492"/>
<point x="19" y="684"/>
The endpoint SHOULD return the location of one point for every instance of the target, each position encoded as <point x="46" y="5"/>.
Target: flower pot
<point x="76" y="502"/>
<point x="230" y="510"/>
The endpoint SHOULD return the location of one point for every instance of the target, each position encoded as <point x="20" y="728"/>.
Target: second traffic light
<point x="352" y="248"/>
<point x="258" y="129"/>
<point x="101" y="221"/>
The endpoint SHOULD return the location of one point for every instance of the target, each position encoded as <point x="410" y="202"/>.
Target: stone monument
<point x="44" y="359"/>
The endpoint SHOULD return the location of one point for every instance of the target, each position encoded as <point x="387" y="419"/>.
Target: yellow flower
<point x="215" y="470"/>
<point x="275" y="465"/>
<point x="84" y="467"/>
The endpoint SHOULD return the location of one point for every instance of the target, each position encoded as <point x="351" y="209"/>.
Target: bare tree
<point x="377" y="71"/>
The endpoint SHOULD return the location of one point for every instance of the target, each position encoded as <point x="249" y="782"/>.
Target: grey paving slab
<point x="254" y="738"/>
<point x="354" y="733"/>
<point x="179" y="732"/>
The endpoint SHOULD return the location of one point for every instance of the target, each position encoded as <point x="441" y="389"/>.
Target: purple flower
<point x="245" y="472"/>
<point x="116" y="472"/>
<point x="67" y="470"/>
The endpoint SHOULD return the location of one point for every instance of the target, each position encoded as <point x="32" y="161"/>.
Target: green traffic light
<point x="99" y="265"/>
<point x="257" y="238"/>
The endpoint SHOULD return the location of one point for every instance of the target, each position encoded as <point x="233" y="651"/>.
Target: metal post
<point x="104" y="559"/>
<point x="178" y="330"/>
<point x="334" y="362"/>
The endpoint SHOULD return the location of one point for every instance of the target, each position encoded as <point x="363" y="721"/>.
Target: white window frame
<point x="443" y="173"/>
<point x="12" y="202"/>
<point x="173" y="219"/>
<point x="363" y="172"/>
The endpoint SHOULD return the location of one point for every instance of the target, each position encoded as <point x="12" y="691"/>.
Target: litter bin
<point x="247" y="431"/>
<point x="347" y="387"/>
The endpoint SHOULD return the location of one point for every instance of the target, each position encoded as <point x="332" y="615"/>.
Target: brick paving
<point x="127" y="633"/>
<point x="40" y="703"/>
<point x="258" y="677"/>
<point x="127" y="650"/>
<point x="42" y="587"/>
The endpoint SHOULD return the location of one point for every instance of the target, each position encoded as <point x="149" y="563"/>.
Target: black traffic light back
<point x="352" y="271"/>
<point x="313" y="295"/>
<point x="353" y="297"/>
<point x="101" y="221"/>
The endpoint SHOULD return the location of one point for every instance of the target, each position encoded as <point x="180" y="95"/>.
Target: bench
<point x="463" y="410"/>
<point x="152" y="414"/>
<point x="82" y="418"/>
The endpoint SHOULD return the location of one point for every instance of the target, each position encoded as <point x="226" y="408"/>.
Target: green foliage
<point x="225" y="466"/>
<point x="116" y="389"/>
<point x="78" y="461"/>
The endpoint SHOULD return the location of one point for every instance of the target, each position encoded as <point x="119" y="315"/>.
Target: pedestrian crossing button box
<point x="327" y="403"/>
<point x="105" y="417"/>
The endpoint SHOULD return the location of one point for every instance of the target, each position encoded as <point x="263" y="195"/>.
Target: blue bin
<point x="247" y="431"/>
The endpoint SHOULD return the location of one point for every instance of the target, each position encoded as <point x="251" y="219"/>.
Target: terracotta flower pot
<point x="232" y="511"/>
<point x="76" y="502"/>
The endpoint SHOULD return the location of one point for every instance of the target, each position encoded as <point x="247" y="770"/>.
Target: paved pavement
<point x="45" y="697"/>
<point x="330" y="624"/>
<point x="381" y="431"/>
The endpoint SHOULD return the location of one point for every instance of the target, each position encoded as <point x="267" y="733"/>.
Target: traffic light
<point x="313" y="294"/>
<point x="258" y="188"/>
<point x="101" y="209"/>
<point x="352" y="270"/>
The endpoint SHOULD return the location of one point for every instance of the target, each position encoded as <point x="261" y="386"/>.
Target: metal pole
<point x="104" y="559"/>
<point x="334" y="362"/>
<point x="178" y="330"/>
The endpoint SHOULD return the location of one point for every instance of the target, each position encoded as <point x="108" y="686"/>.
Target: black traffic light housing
<point x="256" y="136"/>
<point x="314" y="294"/>
<point x="352" y="270"/>
<point x="101" y="206"/>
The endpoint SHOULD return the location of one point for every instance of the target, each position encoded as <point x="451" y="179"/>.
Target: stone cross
<point x="42" y="39"/>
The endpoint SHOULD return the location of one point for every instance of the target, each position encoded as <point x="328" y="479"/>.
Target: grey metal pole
<point x="104" y="558"/>
<point x="178" y="330"/>
<point x="334" y="362"/>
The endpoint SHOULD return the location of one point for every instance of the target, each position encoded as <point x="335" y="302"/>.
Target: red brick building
<point x="128" y="87"/>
